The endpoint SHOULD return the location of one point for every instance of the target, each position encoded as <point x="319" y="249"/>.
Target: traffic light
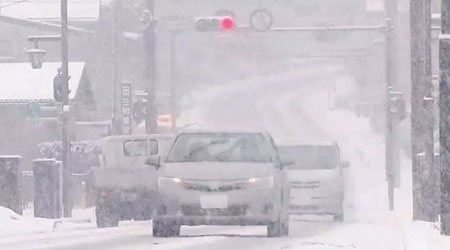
<point x="60" y="90"/>
<point x="397" y="105"/>
<point x="57" y="88"/>
<point x="140" y="110"/>
<point x="400" y="109"/>
<point x="215" y="23"/>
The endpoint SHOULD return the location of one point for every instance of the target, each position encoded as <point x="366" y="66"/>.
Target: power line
<point x="54" y="1"/>
<point x="12" y="3"/>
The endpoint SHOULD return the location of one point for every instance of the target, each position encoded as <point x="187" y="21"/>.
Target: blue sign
<point x="33" y="110"/>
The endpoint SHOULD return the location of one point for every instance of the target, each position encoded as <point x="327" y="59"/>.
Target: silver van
<point x="316" y="183"/>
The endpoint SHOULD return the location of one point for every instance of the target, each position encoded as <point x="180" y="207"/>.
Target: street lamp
<point x="36" y="57"/>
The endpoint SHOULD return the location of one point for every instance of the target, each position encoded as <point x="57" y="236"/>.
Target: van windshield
<point x="311" y="156"/>
<point x="220" y="147"/>
<point x="140" y="147"/>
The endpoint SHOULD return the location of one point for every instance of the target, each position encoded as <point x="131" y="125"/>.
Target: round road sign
<point x="261" y="20"/>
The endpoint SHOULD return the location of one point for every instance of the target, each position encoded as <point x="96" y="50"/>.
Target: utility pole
<point x="61" y="93"/>
<point x="425" y="176"/>
<point x="67" y="170"/>
<point x="392" y="167"/>
<point x="150" y="66"/>
<point x="173" y="77"/>
<point x="114" y="81"/>
<point x="116" y="128"/>
<point x="444" y="116"/>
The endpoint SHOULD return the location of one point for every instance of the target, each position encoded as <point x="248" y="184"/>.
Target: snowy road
<point x="294" y="105"/>
<point x="316" y="234"/>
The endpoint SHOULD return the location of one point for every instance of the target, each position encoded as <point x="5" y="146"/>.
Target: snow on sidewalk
<point x="425" y="236"/>
<point x="16" y="228"/>
<point x="364" y="147"/>
<point x="15" y="224"/>
<point x="366" y="186"/>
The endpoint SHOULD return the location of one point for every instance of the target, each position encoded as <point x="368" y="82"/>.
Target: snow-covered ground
<point x="15" y="228"/>
<point x="301" y="112"/>
<point x="14" y="224"/>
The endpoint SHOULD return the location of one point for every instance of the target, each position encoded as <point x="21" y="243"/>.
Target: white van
<point x="126" y="188"/>
<point x="316" y="185"/>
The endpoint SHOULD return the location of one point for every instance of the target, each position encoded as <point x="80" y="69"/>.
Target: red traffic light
<point x="215" y="23"/>
<point x="227" y="23"/>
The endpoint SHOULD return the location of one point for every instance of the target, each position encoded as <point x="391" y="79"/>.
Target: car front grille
<point x="209" y="188"/>
<point x="305" y="184"/>
<point x="235" y="210"/>
<point x="304" y="207"/>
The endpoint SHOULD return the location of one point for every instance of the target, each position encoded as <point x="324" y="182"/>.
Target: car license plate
<point x="298" y="197"/>
<point x="214" y="201"/>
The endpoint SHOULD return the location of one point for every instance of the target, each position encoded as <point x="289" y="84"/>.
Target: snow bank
<point x="14" y="224"/>
<point x="425" y="236"/>
<point x="366" y="151"/>
<point x="366" y="186"/>
<point x="15" y="228"/>
<point x="437" y="241"/>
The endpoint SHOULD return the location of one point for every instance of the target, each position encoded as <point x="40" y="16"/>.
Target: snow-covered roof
<point x="317" y="142"/>
<point x="10" y="156"/>
<point x="138" y="137"/>
<point x="80" y="10"/>
<point x="19" y="82"/>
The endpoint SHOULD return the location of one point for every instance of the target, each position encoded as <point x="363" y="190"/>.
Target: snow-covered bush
<point x="84" y="154"/>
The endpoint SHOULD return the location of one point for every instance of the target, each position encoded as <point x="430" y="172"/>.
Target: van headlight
<point x="163" y="181"/>
<point x="261" y="181"/>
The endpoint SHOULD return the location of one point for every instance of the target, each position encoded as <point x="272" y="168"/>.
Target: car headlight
<point x="162" y="181"/>
<point x="261" y="181"/>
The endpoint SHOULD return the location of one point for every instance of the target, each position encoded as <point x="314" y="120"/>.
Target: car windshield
<point x="311" y="156"/>
<point x="220" y="147"/>
<point x="140" y="147"/>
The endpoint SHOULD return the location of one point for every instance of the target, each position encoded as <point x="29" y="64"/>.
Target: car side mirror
<point x="346" y="164"/>
<point x="287" y="161"/>
<point x="154" y="161"/>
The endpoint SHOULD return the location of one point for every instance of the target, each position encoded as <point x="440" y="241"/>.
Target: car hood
<point x="217" y="170"/>
<point x="308" y="175"/>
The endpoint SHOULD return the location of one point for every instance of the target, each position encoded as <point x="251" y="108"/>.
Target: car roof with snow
<point x="307" y="143"/>
<point x="137" y="137"/>
<point x="225" y="131"/>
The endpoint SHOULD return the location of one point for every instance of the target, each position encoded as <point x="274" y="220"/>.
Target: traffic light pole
<point x="116" y="128"/>
<point x="444" y="116"/>
<point x="150" y="69"/>
<point x="174" y="77"/>
<point x="391" y="50"/>
<point x="67" y="171"/>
